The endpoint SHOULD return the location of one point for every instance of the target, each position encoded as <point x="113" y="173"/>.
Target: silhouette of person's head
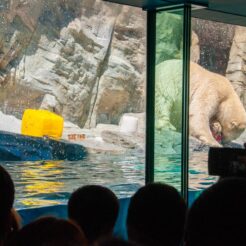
<point x="156" y="215"/>
<point x="7" y="192"/>
<point x="218" y="215"/>
<point x="114" y="242"/>
<point x="94" y="208"/>
<point x="50" y="231"/>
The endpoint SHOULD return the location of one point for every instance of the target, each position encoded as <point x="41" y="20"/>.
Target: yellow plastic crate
<point x="39" y="123"/>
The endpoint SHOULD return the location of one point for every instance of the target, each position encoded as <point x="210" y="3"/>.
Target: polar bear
<point x="213" y="102"/>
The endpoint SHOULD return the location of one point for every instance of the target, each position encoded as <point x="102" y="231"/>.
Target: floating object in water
<point x="40" y="123"/>
<point x="128" y="124"/>
<point x="17" y="147"/>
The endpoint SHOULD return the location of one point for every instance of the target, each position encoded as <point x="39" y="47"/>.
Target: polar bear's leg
<point x="162" y="114"/>
<point x="199" y="117"/>
<point x="200" y="129"/>
<point x="201" y="113"/>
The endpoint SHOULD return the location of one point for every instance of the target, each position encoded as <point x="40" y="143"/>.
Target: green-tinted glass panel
<point x="217" y="86"/>
<point x="168" y="97"/>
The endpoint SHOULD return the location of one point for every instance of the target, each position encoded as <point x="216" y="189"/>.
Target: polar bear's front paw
<point x="211" y="142"/>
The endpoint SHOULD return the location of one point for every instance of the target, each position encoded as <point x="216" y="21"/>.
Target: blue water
<point x="47" y="183"/>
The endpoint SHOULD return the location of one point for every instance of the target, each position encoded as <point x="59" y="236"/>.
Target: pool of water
<point x="46" y="183"/>
<point x="198" y="172"/>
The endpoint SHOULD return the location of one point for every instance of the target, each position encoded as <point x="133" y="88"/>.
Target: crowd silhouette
<point x="157" y="215"/>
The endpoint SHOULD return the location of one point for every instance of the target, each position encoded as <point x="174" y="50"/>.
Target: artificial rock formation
<point x="215" y="40"/>
<point x="236" y="69"/>
<point x="84" y="59"/>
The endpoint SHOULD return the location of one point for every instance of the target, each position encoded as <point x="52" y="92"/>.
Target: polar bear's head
<point x="232" y="130"/>
<point x="232" y="117"/>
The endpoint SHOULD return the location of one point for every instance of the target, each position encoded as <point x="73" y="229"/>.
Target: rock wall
<point x="236" y="70"/>
<point x="215" y="40"/>
<point x="84" y="59"/>
<point x="169" y="38"/>
<point x="169" y="30"/>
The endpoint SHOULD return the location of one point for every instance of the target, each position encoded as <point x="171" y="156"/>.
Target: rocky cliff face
<point x="236" y="70"/>
<point x="84" y="59"/>
<point x="215" y="40"/>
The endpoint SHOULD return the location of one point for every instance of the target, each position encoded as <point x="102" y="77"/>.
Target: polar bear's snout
<point x="232" y="131"/>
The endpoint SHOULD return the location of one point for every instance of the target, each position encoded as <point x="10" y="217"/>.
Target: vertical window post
<point x="185" y="100"/>
<point x="150" y="96"/>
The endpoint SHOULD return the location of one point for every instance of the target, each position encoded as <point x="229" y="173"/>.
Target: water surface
<point x="46" y="183"/>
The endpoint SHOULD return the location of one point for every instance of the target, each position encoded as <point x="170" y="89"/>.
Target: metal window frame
<point x="150" y="96"/>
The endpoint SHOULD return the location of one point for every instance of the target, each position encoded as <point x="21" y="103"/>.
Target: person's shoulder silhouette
<point x="8" y="220"/>
<point x="156" y="215"/>
<point x="218" y="216"/>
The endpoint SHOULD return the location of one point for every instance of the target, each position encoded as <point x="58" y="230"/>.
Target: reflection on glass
<point x="168" y="96"/>
<point x="217" y="48"/>
<point x="84" y="61"/>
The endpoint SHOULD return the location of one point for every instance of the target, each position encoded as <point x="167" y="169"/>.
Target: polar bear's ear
<point x="234" y="124"/>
